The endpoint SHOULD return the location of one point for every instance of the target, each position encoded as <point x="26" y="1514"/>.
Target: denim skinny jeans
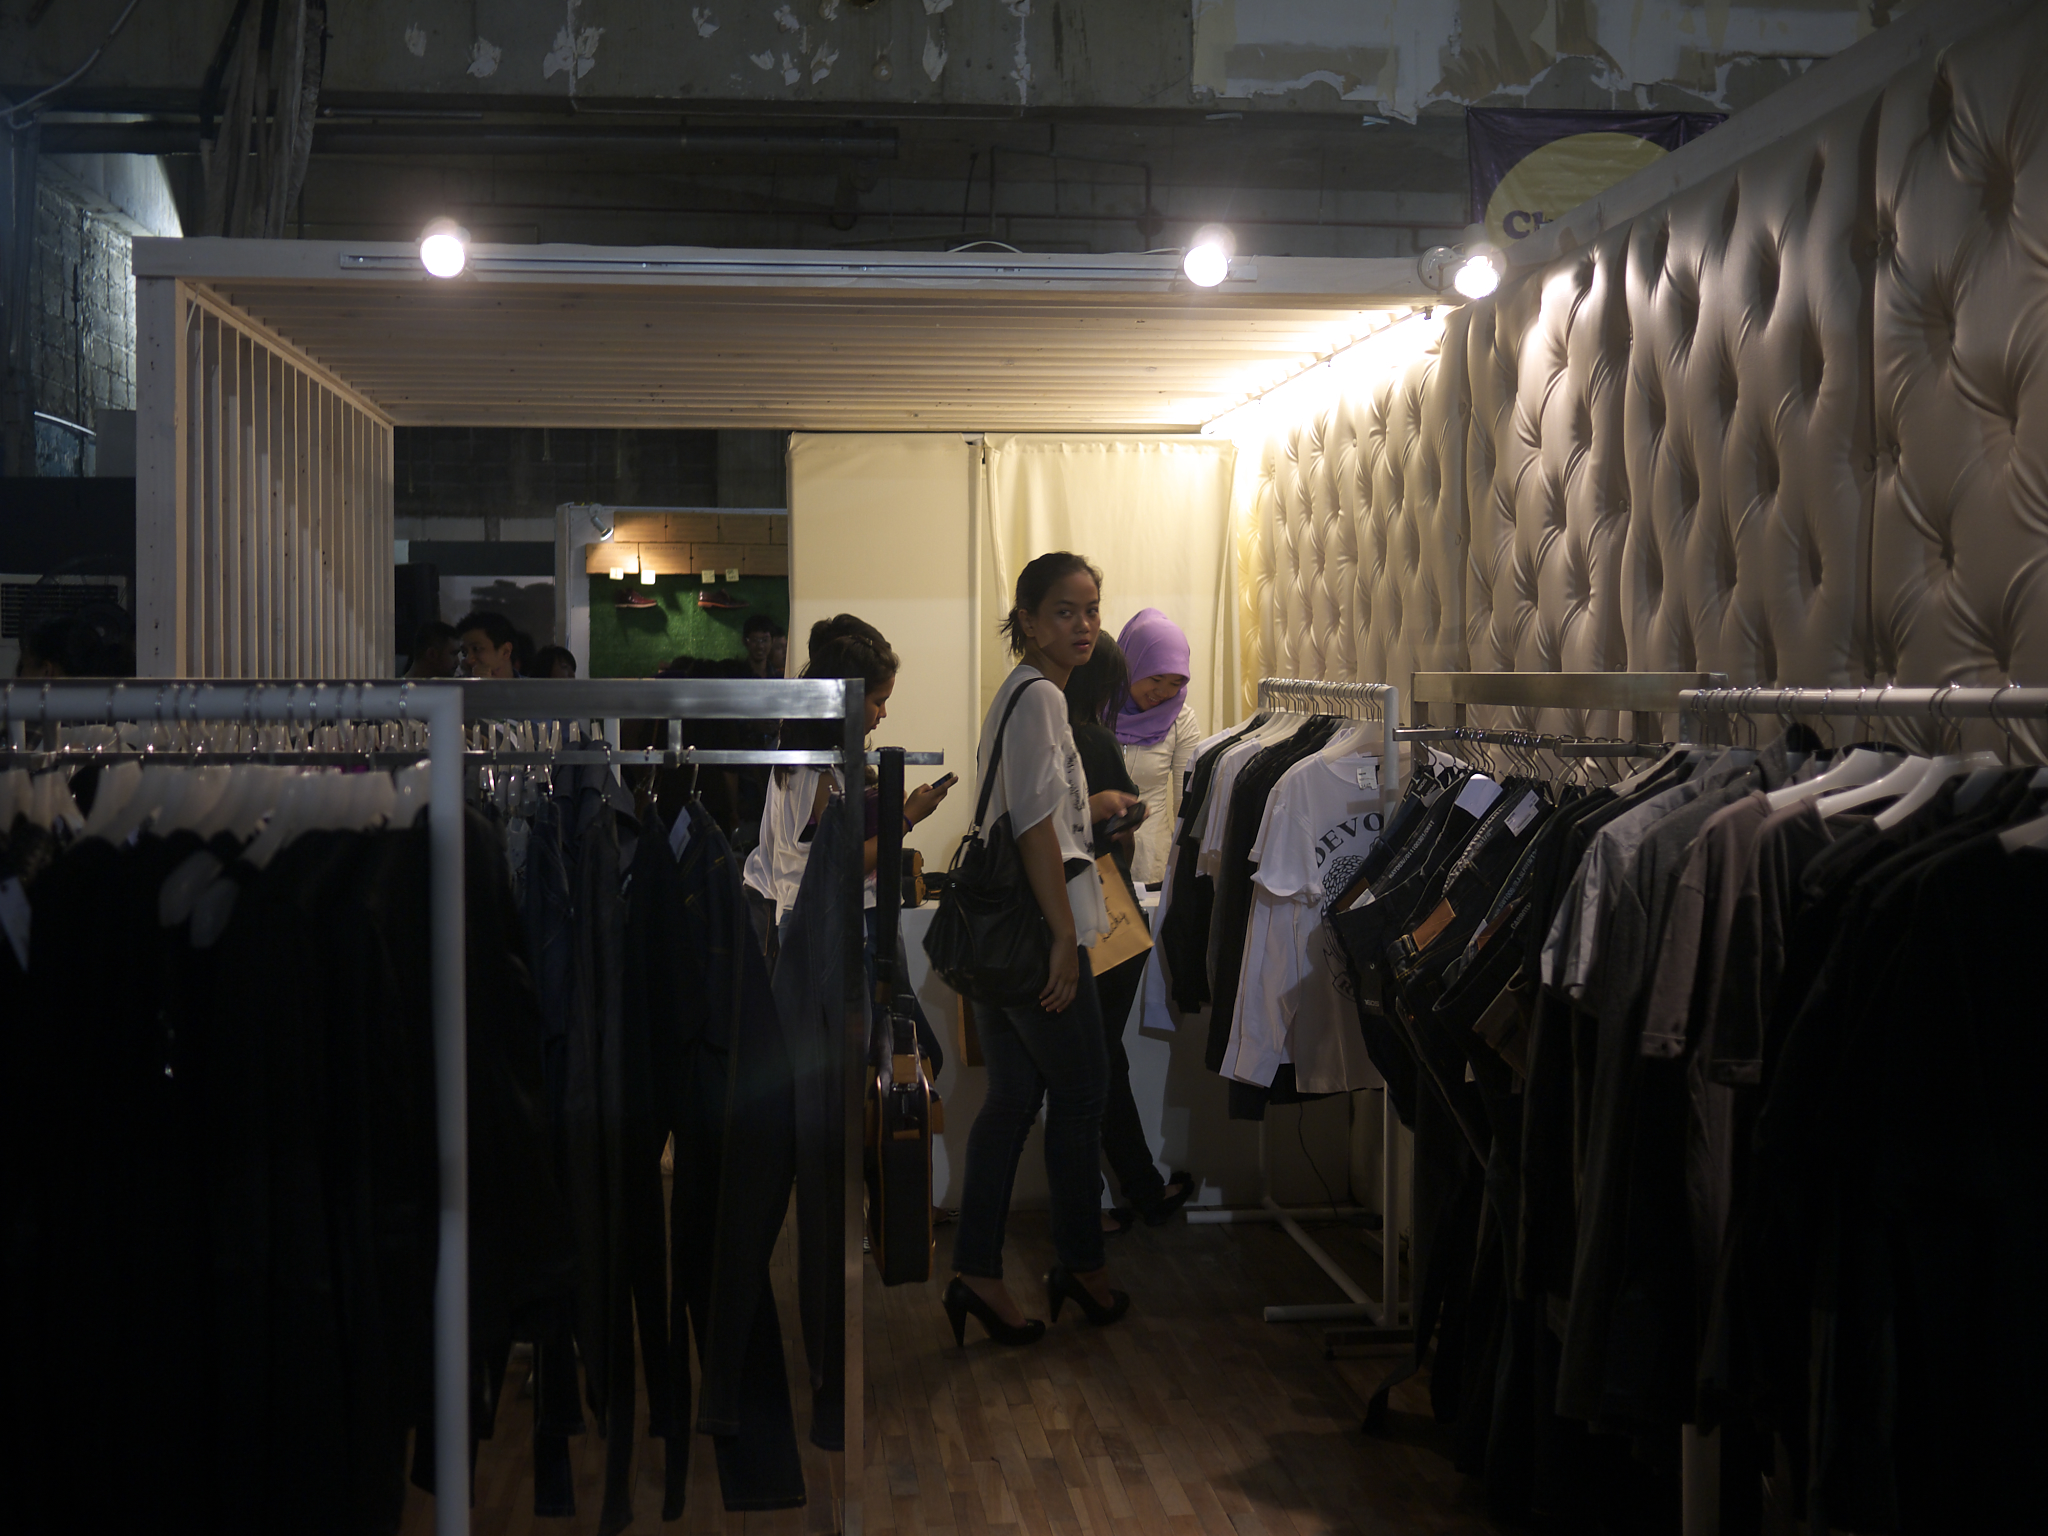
<point x="1035" y="1057"/>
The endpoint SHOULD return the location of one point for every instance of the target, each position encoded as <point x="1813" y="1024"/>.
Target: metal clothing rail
<point x="444" y="707"/>
<point x="473" y="757"/>
<point x="1949" y="702"/>
<point x="1368" y="702"/>
<point x="1533" y="741"/>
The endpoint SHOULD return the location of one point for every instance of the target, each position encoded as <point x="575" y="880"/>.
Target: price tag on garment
<point x="14" y="917"/>
<point x="1369" y="774"/>
<point x="1479" y="792"/>
<point x="1522" y="814"/>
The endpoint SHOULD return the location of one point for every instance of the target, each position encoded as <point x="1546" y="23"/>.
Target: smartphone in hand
<point x="1123" y="821"/>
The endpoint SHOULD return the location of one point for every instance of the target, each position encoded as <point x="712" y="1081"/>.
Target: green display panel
<point x="638" y="642"/>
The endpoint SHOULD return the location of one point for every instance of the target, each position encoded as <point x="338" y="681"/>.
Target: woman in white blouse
<point x="1050" y="1051"/>
<point x="1158" y="730"/>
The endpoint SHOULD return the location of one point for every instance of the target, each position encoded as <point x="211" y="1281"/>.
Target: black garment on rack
<point x="228" y="1194"/>
<point x="1185" y="929"/>
<point x="1919" y="1430"/>
<point x="719" y="1080"/>
<point x="811" y="1001"/>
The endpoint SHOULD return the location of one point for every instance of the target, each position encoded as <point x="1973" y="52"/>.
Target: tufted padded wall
<point x="1791" y="425"/>
<point x="1960" y="526"/>
<point x="1551" y="523"/>
<point x="1747" y="418"/>
<point x="1362" y="529"/>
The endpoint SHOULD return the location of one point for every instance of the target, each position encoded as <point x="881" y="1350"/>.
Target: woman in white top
<point x="840" y="647"/>
<point x="1050" y="1052"/>
<point x="1158" y="731"/>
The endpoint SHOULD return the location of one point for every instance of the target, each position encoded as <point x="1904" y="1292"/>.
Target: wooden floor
<point x="1191" y="1417"/>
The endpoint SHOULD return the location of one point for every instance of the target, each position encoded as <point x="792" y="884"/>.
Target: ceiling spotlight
<point x="1479" y="273"/>
<point x="444" y="248"/>
<point x="1474" y="270"/>
<point x="1207" y="261"/>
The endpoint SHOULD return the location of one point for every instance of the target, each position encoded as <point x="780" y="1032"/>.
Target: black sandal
<point x="1124" y="1217"/>
<point x="1162" y="1211"/>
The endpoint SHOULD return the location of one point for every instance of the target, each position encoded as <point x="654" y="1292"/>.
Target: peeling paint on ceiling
<point x="1408" y="56"/>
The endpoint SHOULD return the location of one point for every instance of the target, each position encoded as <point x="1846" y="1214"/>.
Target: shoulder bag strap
<point x="995" y="755"/>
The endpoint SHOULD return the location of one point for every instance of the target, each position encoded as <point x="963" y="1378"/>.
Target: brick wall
<point x="81" y="319"/>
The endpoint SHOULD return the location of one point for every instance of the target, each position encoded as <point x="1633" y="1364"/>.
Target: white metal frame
<point x="1356" y="701"/>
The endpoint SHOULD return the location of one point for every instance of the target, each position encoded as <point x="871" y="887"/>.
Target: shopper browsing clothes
<point x="840" y="647"/>
<point x="1094" y="694"/>
<point x="1158" y="729"/>
<point x="1049" y="1051"/>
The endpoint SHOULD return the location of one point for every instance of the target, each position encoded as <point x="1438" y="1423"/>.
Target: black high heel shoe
<point x="960" y="1300"/>
<point x="1060" y="1286"/>
<point x="1163" y="1212"/>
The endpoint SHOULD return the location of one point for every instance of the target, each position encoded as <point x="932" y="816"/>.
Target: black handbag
<point x="988" y="939"/>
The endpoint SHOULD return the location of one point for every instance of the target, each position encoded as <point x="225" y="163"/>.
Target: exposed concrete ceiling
<point x="598" y="336"/>
<point x="999" y="55"/>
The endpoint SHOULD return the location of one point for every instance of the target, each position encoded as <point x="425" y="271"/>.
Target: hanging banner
<point x="1531" y="165"/>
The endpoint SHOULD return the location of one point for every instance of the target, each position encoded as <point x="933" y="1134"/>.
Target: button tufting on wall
<point x="1816" y="175"/>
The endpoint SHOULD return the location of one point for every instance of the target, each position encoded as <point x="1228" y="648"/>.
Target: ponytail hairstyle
<point x="1097" y="688"/>
<point x="1033" y="583"/>
<point x="840" y="647"/>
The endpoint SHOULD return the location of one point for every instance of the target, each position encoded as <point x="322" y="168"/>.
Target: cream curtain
<point x="1152" y="513"/>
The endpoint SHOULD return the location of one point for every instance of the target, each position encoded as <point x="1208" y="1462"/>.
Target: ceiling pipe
<point x="381" y="139"/>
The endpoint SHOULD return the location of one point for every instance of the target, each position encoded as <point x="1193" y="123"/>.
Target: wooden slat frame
<point x="264" y="502"/>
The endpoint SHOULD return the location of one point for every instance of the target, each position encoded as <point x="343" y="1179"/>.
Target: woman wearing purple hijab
<point x="1158" y="730"/>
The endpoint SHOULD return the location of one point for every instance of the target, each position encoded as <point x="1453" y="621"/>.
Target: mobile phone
<point x="1123" y="821"/>
<point x="946" y="781"/>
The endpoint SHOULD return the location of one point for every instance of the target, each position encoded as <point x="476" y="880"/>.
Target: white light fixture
<point x="1479" y="273"/>
<point x="646" y="577"/>
<point x="618" y="573"/>
<point x="1207" y="261"/>
<point x="444" y="248"/>
<point x="1473" y="267"/>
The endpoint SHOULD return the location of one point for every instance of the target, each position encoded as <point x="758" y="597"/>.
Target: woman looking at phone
<point x="1094" y="694"/>
<point x="1049" y="1050"/>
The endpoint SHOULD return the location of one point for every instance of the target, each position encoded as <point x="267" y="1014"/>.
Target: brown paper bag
<point x="1127" y="937"/>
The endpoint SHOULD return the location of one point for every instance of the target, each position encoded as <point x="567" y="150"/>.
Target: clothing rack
<point x="444" y="708"/>
<point x="1640" y="693"/>
<point x="1692" y="696"/>
<point x="1350" y="701"/>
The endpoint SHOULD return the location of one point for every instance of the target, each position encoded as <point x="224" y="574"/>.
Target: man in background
<point x="554" y="661"/>
<point x="435" y="650"/>
<point x="760" y="635"/>
<point x="489" y="643"/>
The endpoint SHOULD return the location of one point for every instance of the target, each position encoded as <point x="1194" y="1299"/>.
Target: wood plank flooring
<point x="1190" y="1418"/>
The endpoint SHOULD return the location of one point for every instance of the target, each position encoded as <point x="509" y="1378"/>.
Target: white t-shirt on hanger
<point x="1039" y="776"/>
<point x="1293" y="1002"/>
